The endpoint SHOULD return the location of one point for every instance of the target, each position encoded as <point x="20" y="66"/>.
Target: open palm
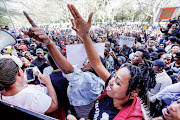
<point x="79" y="24"/>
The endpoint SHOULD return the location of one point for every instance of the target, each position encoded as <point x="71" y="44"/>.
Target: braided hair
<point x="8" y="71"/>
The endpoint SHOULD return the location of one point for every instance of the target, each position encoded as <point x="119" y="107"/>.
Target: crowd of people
<point x="138" y="82"/>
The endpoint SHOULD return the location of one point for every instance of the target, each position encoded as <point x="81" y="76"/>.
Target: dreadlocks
<point x="142" y="79"/>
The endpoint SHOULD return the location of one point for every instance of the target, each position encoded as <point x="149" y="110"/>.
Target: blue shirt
<point x="84" y="87"/>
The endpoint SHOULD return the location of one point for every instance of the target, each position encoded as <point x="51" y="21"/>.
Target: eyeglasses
<point x="166" y="59"/>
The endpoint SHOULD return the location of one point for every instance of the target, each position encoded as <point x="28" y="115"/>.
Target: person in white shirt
<point x="162" y="79"/>
<point x="36" y="98"/>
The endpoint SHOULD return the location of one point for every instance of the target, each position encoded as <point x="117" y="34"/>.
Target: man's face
<point x="40" y="55"/>
<point x="174" y="26"/>
<point x="117" y="47"/>
<point x="166" y="59"/>
<point x="161" y="45"/>
<point x="177" y="61"/>
<point x="175" y="49"/>
<point x="28" y="56"/>
<point x="151" y="43"/>
<point x="137" y="58"/>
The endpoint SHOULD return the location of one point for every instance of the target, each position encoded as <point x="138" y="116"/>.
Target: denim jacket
<point x="170" y="93"/>
<point x="84" y="87"/>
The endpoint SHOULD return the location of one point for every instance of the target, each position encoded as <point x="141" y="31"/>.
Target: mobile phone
<point x="30" y="75"/>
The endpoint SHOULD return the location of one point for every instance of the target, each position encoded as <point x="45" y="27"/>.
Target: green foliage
<point x="3" y="20"/>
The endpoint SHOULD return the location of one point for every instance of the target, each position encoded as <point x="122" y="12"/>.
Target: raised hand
<point x="36" y="32"/>
<point x="78" y="23"/>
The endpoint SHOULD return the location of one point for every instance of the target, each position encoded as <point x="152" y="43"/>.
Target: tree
<point x="151" y="7"/>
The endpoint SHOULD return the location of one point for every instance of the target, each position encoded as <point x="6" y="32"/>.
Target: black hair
<point x="163" y="44"/>
<point x="150" y="50"/>
<point x="169" y="25"/>
<point x="174" y="45"/>
<point x="52" y="63"/>
<point x="145" y="55"/>
<point x="8" y="71"/>
<point x="142" y="79"/>
<point x="107" y="48"/>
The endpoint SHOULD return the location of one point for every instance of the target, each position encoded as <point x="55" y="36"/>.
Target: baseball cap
<point x="39" y="50"/>
<point x="160" y="50"/>
<point x="23" y="47"/>
<point x="154" y="55"/>
<point x="64" y="49"/>
<point x="159" y="63"/>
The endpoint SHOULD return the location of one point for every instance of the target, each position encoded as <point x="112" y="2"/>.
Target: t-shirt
<point x="104" y="109"/>
<point x="33" y="98"/>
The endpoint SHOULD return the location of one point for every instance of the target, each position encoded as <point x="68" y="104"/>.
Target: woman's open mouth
<point x="167" y="113"/>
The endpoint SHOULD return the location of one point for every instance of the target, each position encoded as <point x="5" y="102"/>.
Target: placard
<point x="167" y="13"/>
<point x="124" y="40"/>
<point x="76" y="54"/>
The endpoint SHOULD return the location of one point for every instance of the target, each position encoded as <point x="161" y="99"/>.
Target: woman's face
<point x="118" y="85"/>
<point x="173" y="111"/>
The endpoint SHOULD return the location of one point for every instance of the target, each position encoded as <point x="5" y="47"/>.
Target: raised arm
<point x="82" y="29"/>
<point x="41" y="36"/>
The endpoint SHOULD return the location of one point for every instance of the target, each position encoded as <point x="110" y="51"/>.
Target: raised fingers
<point x="75" y="11"/>
<point x="29" y="19"/>
<point x="72" y="12"/>
<point x="90" y="18"/>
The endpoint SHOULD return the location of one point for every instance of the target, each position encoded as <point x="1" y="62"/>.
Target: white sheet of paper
<point x="76" y="54"/>
<point x="124" y="40"/>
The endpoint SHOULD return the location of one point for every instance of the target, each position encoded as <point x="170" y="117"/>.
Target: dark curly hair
<point x="145" y="55"/>
<point x="142" y="79"/>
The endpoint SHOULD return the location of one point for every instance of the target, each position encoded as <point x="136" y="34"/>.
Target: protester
<point x="40" y="61"/>
<point x="122" y="88"/>
<point x="17" y="92"/>
<point x="172" y="112"/>
<point x="83" y="86"/>
<point x="162" y="79"/>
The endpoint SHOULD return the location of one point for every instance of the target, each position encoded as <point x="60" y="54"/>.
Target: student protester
<point x="162" y="79"/>
<point x="109" y="61"/>
<point x="17" y="92"/>
<point x="118" y="61"/>
<point x="120" y="99"/>
<point x="175" y="66"/>
<point x="60" y="85"/>
<point x="174" y="50"/>
<point x="160" y="52"/>
<point x="171" y="41"/>
<point x="172" y="112"/>
<point x="140" y="57"/>
<point x="40" y="61"/>
<point x="154" y="56"/>
<point x="84" y="85"/>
